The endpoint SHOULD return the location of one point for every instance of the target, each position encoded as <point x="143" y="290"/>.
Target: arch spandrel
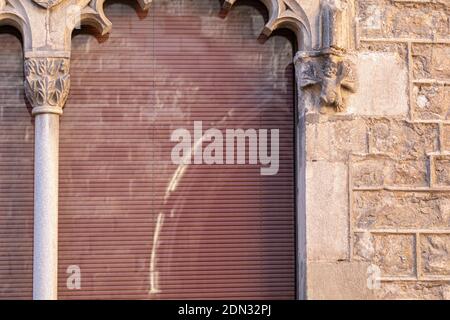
<point x="287" y="14"/>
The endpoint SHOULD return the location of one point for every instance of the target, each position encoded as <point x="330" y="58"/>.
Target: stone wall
<point x="378" y="175"/>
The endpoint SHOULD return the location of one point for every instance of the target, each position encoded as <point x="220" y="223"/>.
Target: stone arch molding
<point x="325" y="75"/>
<point x="324" y="30"/>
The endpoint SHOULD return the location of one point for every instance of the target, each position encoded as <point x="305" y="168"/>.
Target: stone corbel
<point x="330" y="70"/>
<point x="326" y="38"/>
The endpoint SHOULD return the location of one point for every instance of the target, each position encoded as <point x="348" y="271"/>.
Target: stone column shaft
<point x="47" y="87"/>
<point x="45" y="252"/>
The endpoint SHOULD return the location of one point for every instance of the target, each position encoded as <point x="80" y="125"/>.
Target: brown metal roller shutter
<point x="16" y="174"/>
<point x="135" y="227"/>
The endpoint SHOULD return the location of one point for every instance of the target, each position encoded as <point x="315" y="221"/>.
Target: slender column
<point x="47" y="86"/>
<point x="45" y="255"/>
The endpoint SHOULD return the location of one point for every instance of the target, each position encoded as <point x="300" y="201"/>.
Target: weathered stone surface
<point x="403" y="140"/>
<point x="442" y="171"/>
<point x="336" y="139"/>
<point x="398" y="48"/>
<point x="431" y="102"/>
<point x="407" y="173"/>
<point x="387" y="209"/>
<point x="369" y="171"/>
<point x="387" y="19"/>
<point x="446" y="137"/>
<point x="394" y="254"/>
<point x="414" y="290"/>
<point x="363" y="247"/>
<point x="383" y="85"/>
<point x="328" y="203"/>
<point x="435" y="251"/>
<point x="338" y="281"/>
<point x="377" y="171"/>
<point x="431" y="61"/>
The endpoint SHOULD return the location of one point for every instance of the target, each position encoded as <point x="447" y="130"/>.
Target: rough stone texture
<point x="446" y="137"/>
<point x="435" y="251"/>
<point x="398" y="155"/>
<point x="390" y="209"/>
<point x="442" y="170"/>
<point x="402" y="140"/>
<point x="401" y="19"/>
<point x="338" y="281"/>
<point x="431" y="102"/>
<point x="394" y="254"/>
<point x="414" y="290"/>
<point x="379" y="171"/>
<point x="431" y="61"/>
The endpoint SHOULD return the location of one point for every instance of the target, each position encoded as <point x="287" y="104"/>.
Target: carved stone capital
<point x="331" y="72"/>
<point x="47" y="83"/>
<point x="328" y="72"/>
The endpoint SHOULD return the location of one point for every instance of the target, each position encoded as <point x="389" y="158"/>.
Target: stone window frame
<point x="326" y="37"/>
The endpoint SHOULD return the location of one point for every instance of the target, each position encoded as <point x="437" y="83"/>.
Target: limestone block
<point x="394" y="254"/>
<point x="389" y="19"/>
<point x="377" y="171"/>
<point x="442" y="171"/>
<point x="414" y="290"/>
<point x="327" y="211"/>
<point x="435" y="251"/>
<point x="431" y="102"/>
<point x="338" y="281"/>
<point x="431" y="61"/>
<point x="401" y="139"/>
<point x="446" y="137"/>
<point x="334" y="140"/>
<point x="387" y="209"/>
<point x="383" y="85"/>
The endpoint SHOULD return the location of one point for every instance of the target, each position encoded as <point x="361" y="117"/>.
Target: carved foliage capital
<point x="47" y="82"/>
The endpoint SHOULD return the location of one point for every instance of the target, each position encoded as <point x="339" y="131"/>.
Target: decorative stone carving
<point x="285" y="14"/>
<point x="47" y="83"/>
<point x="334" y="75"/>
<point x="330" y="67"/>
<point x="94" y="15"/>
<point x="47" y="3"/>
<point x="324" y="45"/>
<point x="337" y="24"/>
